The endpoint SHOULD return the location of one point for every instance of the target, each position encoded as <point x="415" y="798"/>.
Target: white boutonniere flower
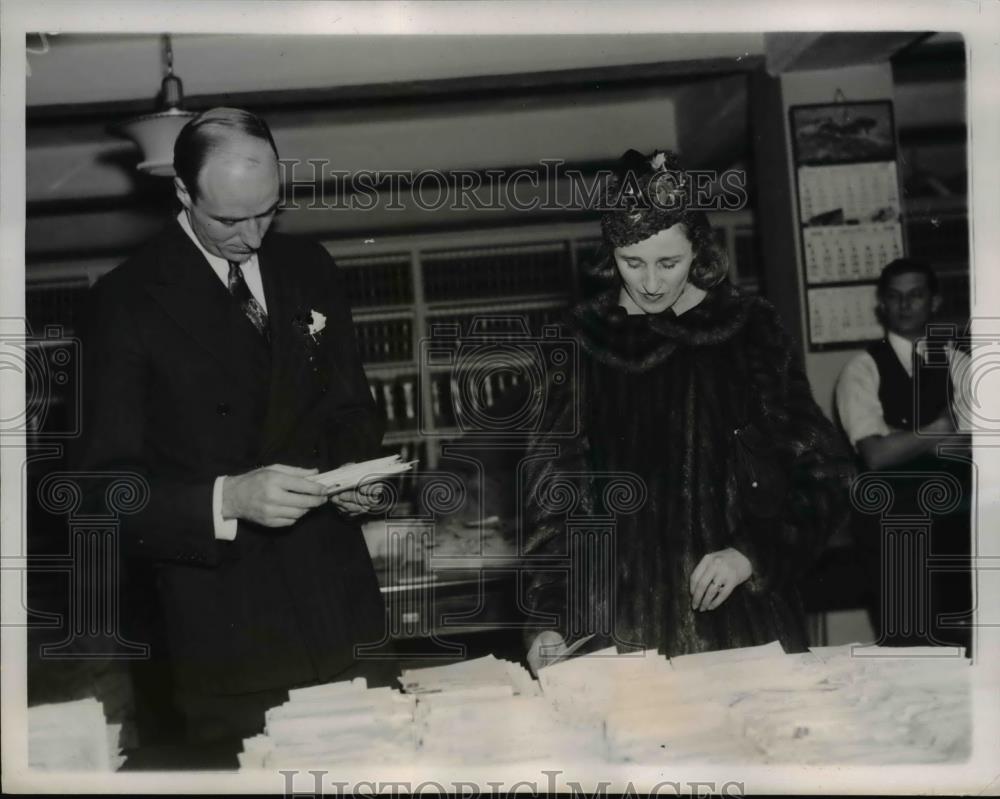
<point x="317" y="322"/>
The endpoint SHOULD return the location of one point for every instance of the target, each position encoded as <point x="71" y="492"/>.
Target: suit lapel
<point x="185" y="286"/>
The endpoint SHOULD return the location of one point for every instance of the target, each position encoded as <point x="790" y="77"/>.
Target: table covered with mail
<point x="849" y="704"/>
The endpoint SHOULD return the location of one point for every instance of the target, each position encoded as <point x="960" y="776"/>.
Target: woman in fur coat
<point x="686" y="478"/>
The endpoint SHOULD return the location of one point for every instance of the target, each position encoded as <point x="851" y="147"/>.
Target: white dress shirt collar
<point x="250" y="267"/>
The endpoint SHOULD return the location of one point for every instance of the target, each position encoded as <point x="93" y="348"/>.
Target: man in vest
<point x="899" y="403"/>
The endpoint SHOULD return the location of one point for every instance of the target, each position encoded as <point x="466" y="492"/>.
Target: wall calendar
<point x="850" y="217"/>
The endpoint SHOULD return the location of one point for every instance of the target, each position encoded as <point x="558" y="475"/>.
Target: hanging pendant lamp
<point x="156" y="133"/>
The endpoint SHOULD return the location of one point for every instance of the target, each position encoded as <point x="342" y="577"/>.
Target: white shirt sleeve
<point x="961" y="381"/>
<point x="225" y="529"/>
<point x="858" y="405"/>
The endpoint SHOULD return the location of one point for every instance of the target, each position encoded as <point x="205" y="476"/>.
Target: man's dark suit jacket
<point x="180" y="388"/>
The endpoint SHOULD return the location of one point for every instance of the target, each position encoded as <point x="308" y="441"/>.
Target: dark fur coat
<point x="680" y="436"/>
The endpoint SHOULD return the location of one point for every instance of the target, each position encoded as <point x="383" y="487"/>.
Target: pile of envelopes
<point x="485" y="711"/>
<point x="72" y="736"/>
<point x="338" y="722"/>
<point x="849" y="704"/>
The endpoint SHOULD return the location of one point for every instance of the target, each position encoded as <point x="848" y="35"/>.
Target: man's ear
<point x="183" y="196"/>
<point x="936" y="301"/>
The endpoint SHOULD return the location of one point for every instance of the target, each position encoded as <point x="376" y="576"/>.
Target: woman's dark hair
<point x="206" y="133"/>
<point x="709" y="266"/>
<point x="656" y="200"/>
<point x="907" y="266"/>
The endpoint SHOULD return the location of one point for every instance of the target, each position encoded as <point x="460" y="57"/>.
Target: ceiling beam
<point x="459" y="90"/>
<point x="794" y="52"/>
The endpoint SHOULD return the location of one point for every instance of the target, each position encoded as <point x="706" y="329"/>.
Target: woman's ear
<point x="936" y="301"/>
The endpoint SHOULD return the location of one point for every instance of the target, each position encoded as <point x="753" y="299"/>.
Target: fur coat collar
<point x="639" y="342"/>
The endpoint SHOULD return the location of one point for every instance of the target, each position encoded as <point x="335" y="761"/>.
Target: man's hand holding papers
<point x="354" y="487"/>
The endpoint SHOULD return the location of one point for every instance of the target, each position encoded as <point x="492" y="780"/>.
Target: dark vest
<point x="903" y="406"/>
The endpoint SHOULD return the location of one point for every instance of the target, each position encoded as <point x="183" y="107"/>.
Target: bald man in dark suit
<point x="222" y="366"/>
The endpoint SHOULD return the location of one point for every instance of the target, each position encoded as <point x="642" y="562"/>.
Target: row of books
<point x="497" y="271"/>
<point x="386" y="340"/>
<point x="454" y="275"/>
<point x="464" y="401"/>
<point x="474" y="402"/>
<point x="472" y="329"/>
<point x="377" y="281"/>
<point x="398" y="399"/>
<point x="392" y="339"/>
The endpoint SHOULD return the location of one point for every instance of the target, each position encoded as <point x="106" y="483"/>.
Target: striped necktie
<point x="241" y="292"/>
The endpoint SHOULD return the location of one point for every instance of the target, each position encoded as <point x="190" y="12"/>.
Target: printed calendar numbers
<point x="843" y="313"/>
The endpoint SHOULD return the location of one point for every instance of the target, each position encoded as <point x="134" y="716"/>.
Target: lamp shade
<point x="155" y="134"/>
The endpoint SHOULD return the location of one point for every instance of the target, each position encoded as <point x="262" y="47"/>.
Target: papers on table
<point x="72" y="736"/>
<point x="760" y="705"/>
<point x="651" y="709"/>
<point x="724" y="657"/>
<point x="484" y="710"/>
<point x="493" y="725"/>
<point x="338" y="722"/>
<point x="754" y="705"/>
<point x="875" y="705"/>
<point x="484" y="672"/>
<point x="354" y="475"/>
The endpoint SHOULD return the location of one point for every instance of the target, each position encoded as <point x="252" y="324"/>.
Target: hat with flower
<point x="648" y="193"/>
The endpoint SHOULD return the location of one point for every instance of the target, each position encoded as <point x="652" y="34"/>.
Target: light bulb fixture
<point x="156" y="133"/>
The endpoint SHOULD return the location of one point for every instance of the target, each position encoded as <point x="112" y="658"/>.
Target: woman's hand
<point x="715" y="577"/>
<point x="547" y="646"/>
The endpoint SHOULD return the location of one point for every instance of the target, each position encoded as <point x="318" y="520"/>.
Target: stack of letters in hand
<point x="343" y="722"/>
<point x="355" y="475"/>
<point x="72" y="736"/>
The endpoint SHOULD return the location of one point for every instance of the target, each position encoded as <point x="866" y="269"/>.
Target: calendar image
<point x="849" y="215"/>
<point x="843" y="253"/>
<point x="834" y="133"/>
<point x="847" y="194"/>
<point x="843" y="314"/>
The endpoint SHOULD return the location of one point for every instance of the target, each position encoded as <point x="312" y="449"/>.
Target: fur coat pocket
<point x="760" y="475"/>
